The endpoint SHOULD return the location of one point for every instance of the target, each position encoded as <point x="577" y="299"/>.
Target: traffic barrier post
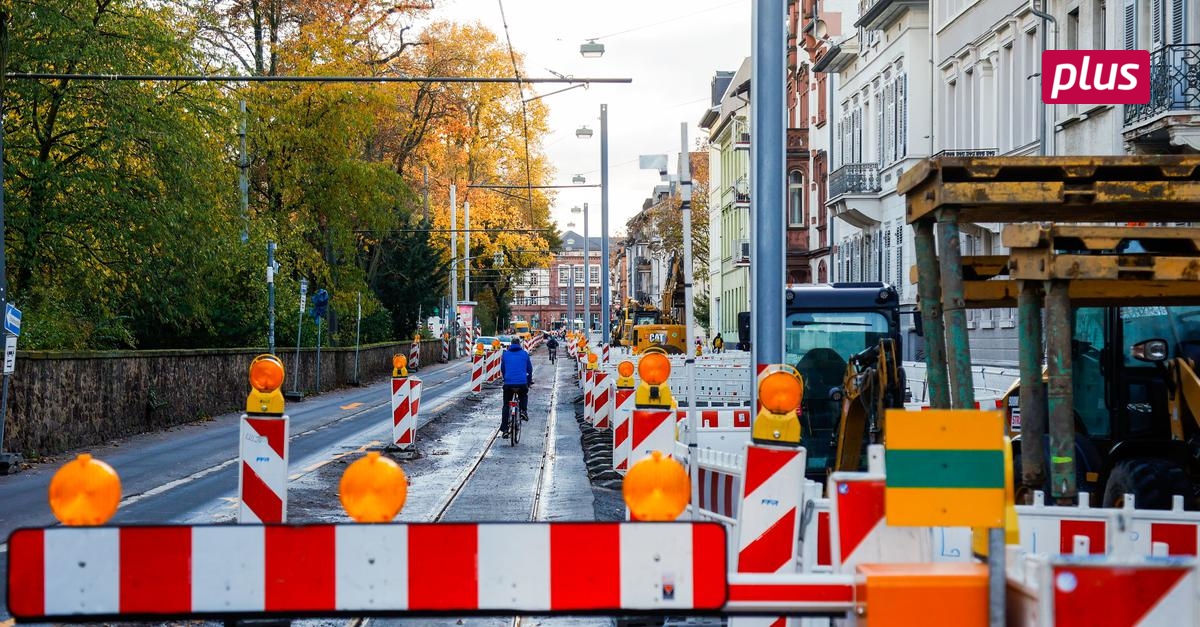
<point x="263" y="446"/>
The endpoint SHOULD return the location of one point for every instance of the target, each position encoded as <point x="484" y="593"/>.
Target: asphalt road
<point x="188" y="474"/>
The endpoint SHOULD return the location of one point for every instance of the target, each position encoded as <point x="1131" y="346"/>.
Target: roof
<point x="574" y="241"/>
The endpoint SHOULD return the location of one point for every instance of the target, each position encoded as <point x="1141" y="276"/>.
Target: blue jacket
<point x="516" y="366"/>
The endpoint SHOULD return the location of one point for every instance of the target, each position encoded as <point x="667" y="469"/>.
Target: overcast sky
<point x="671" y="53"/>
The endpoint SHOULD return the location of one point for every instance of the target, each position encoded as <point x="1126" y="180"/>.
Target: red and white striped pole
<point x="622" y="415"/>
<point x="602" y="399"/>
<point x="477" y="372"/>
<point x="263" y="446"/>
<point x="414" y="354"/>
<point x="406" y="398"/>
<point x="445" y="347"/>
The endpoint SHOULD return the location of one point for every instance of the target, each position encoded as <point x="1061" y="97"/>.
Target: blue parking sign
<point x="12" y="319"/>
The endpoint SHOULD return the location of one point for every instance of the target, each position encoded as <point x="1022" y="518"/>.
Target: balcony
<point x="1173" y="114"/>
<point x="854" y="178"/>
<point x="741" y="135"/>
<point x="741" y="200"/>
<point x="797" y="141"/>
<point x="880" y="14"/>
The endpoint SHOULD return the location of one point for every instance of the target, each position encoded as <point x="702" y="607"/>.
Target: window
<point x="564" y="275"/>
<point x="1099" y="25"/>
<point x="899" y="243"/>
<point x="1073" y="44"/>
<point x="796" y="199"/>
<point x="562" y="296"/>
<point x="578" y="274"/>
<point x="1130" y="24"/>
<point x="594" y="274"/>
<point x="902" y="115"/>
<point x="578" y="297"/>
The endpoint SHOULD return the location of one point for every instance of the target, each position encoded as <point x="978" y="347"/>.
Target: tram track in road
<point x="543" y="480"/>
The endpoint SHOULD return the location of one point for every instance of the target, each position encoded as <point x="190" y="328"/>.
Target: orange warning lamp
<point x="592" y="358"/>
<point x="373" y="489"/>
<point x="85" y="491"/>
<point x="625" y="374"/>
<point x="780" y="394"/>
<point x="495" y="344"/>
<point x="266" y="377"/>
<point x="654" y="368"/>
<point x="656" y="488"/>
<point x="399" y="366"/>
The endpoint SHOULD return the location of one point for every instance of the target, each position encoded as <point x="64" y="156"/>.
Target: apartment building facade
<point x="727" y="122"/>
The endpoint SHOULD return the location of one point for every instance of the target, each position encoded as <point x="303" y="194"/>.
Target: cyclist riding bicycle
<point x="552" y="348"/>
<point x="517" y="368"/>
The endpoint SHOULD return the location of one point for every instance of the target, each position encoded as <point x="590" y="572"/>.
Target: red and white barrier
<point x="1103" y="592"/>
<point x="588" y="383"/>
<point x="790" y="593"/>
<point x="445" y="349"/>
<point x="770" y="508"/>
<point x="406" y="394"/>
<point x="263" y="469"/>
<point x="478" y="363"/>
<point x="859" y="528"/>
<point x="414" y="356"/>
<point x="1051" y="530"/>
<point x="622" y="414"/>
<point x="651" y="430"/>
<point x="604" y="358"/>
<point x="183" y="571"/>
<point x="493" y="365"/>
<point x="720" y="491"/>
<point x="602" y="400"/>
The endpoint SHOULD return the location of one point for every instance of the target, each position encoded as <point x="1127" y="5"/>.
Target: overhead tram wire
<point x="224" y="78"/>
<point x="524" y="110"/>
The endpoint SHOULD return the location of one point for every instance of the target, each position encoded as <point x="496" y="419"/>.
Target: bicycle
<point x="514" y="421"/>
<point x="553" y="354"/>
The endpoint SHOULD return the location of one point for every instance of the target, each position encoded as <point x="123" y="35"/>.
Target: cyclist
<point x="517" y="368"/>
<point x="552" y="348"/>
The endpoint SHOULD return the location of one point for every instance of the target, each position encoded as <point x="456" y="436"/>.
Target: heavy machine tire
<point x="1151" y="481"/>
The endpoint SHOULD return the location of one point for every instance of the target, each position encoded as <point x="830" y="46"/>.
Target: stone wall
<point x="59" y="401"/>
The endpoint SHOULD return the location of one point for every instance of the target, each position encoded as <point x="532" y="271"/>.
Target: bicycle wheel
<point x="514" y="430"/>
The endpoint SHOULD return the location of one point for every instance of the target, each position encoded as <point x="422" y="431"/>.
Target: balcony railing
<point x="973" y="152"/>
<point x="854" y="178"/>
<point x="1174" y="83"/>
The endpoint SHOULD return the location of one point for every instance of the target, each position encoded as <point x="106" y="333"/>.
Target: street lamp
<point x="578" y="179"/>
<point x="591" y="49"/>
<point x="604" y="255"/>
<point x="583" y="132"/>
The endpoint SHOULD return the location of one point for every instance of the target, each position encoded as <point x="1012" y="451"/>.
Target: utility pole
<point x="271" y="296"/>
<point x="605" y="312"/>
<point x="587" y="279"/>
<point x="244" y="174"/>
<point x="454" y="264"/>
<point x="685" y="206"/>
<point x="9" y="462"/>
<point x="467" y="251"/>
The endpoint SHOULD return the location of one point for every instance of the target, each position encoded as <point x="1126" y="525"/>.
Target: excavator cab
<point x="827" y="328"/>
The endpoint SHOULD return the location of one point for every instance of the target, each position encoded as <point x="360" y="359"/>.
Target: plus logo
<point x="1095" y="77"/>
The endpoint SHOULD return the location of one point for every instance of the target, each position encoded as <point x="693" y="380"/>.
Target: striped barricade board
<point x="118" y="573"/>
<point x="1104" y="592"/>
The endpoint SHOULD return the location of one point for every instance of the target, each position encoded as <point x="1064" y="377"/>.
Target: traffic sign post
<point x="9" y="462"/>
<point x="295" y="394"/>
